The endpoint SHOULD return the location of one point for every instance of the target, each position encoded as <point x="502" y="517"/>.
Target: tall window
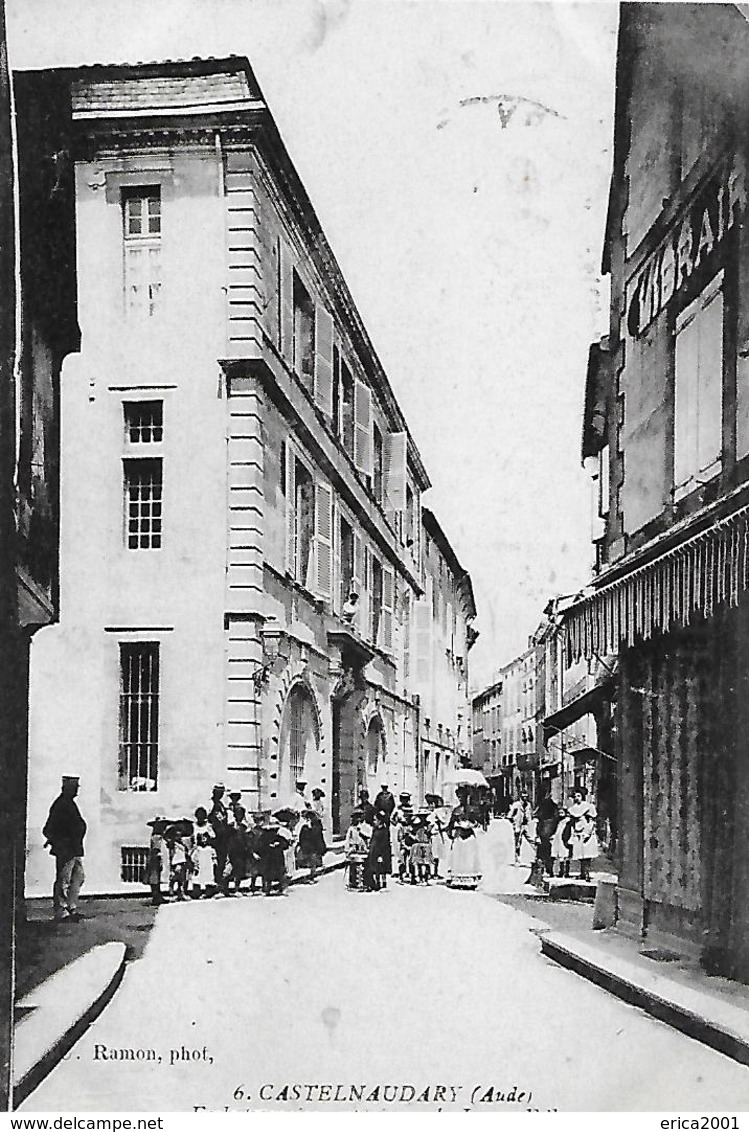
<point x="347" y="560"/>
<point x="304" y="335"/>
<point x="139" y="716"/>
<point x="305" y="521"/>
<point x="698" y="390"/>
<point x="141" y="218"/>
<point x="377" y="459"/>
<point x="297" y="737"/>
<point x="347" y="409"/>
<point x="376" y="599"/>
<point x="143" y="483"/>
<point x="336" y="391"/>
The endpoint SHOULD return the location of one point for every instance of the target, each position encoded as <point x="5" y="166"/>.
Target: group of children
<point x="373" y="835"/>
<point x="214" y="853"/>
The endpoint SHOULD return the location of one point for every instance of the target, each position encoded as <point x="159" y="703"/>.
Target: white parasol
<point x="465" y="776"/>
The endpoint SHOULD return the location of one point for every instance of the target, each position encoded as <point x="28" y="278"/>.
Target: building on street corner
<point x="242" y="540"/>
<point x="667" y="415"/>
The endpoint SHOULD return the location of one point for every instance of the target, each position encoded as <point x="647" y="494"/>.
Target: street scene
<point x="374" y="556"/>
<point x="436" y="1011"/>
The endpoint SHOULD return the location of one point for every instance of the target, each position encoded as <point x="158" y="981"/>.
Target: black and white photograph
<point x="374" y="557"/>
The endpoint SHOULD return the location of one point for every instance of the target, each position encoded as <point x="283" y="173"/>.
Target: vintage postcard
<point x="374" y="478"/>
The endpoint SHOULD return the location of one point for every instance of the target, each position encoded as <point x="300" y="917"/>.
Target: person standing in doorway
<point x="64" y="832"/>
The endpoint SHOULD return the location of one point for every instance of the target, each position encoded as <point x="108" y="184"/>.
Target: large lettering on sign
<point x="697" y="231"/>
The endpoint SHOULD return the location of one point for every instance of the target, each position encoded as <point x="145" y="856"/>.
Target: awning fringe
<point x="708" y="570"/>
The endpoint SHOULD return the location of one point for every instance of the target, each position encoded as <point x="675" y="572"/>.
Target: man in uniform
<point x="64" y="831"/>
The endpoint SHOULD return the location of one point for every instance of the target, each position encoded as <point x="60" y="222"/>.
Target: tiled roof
<point x="175" y="84"/>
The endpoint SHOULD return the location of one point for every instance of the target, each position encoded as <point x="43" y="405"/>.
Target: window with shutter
<point x="394" y="456"/>
<point x="286" y="301"/>
<point x="290" y="513"/>
<point x="324" y="539"/>
<point x="305" y="525"/>
<point x="362" y="428"/>
<point x="324" y="361"/>
<point x="304" y="334"/>
<point x="359" y="579"/>
<point x="388" y="603"/>
<point x="698" y="390"/>
<point x="376" y="593"/>
<point x="377" y="463"/>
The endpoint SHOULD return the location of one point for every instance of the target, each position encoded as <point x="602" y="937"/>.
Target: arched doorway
<point x="299" y="739"/>
<point x="376" y="755"/>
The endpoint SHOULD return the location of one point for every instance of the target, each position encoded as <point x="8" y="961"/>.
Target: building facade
<point x="486" y="709"/>
<point x="236" y="467"/>
<point x="443" y="633"/>
<point x="667" y="414"/>
<point x="38" y="329"/>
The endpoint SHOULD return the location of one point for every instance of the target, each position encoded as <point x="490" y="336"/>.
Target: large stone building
<point x="667" y="413"/>
<point x="236" y="465"/>
<point x="443" y="634"/>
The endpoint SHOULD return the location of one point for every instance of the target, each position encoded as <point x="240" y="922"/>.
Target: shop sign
<point x="689" y="242"/>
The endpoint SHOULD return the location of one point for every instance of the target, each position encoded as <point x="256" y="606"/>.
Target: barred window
<point x="133" y="863"/>
<point x="144" y="422"/>
<point x="143" y="482"/>
<point x="139" y="716"/>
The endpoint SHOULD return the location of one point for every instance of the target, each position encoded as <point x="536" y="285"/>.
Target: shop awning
<point x="709" y="569"/>
<point x="585" y="704"/>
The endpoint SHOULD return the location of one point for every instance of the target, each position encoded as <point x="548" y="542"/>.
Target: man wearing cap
<point x="218" y="819"/>
<point x="64" y="831"/>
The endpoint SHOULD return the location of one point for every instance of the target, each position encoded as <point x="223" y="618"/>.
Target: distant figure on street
<point x="355" y="848"/>
<point x="311" y="845"/>
<point x="158" y="859"/>
<point x="520" y="814"/>
<point x="547" y="816"/>
<point x="385" y="802"/>
<point x="463" y="865"/>
<point x="64" y="831"/>
<point x="254" y="851"/>
<point x="366" y="809"/>
<point x="561" y="849"/>
<point x="583" y="839"/>
<point x="218" y="819"/>
<point x="203" y="864"/>
<point x="301" y="801"/>
<point x="274" y="842"/>
<point x="379" y="857"/>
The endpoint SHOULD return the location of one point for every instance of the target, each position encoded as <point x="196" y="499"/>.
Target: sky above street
<point x="458" y="154"/>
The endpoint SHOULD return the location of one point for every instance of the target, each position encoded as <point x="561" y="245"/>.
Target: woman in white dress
<point x="583" y="838"/>
<point x="463" y="864"/>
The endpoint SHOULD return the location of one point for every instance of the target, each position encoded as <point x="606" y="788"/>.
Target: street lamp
<point x="270" y="635"/>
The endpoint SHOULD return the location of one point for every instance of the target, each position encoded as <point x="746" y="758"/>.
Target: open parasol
<point x="466" y="776"/>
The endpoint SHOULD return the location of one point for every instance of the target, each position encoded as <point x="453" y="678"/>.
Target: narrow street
<point x="413" y="987"/>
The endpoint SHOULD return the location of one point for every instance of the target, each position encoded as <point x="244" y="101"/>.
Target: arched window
<point x="300" y="737"/>
<point x="375" y="747"/>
